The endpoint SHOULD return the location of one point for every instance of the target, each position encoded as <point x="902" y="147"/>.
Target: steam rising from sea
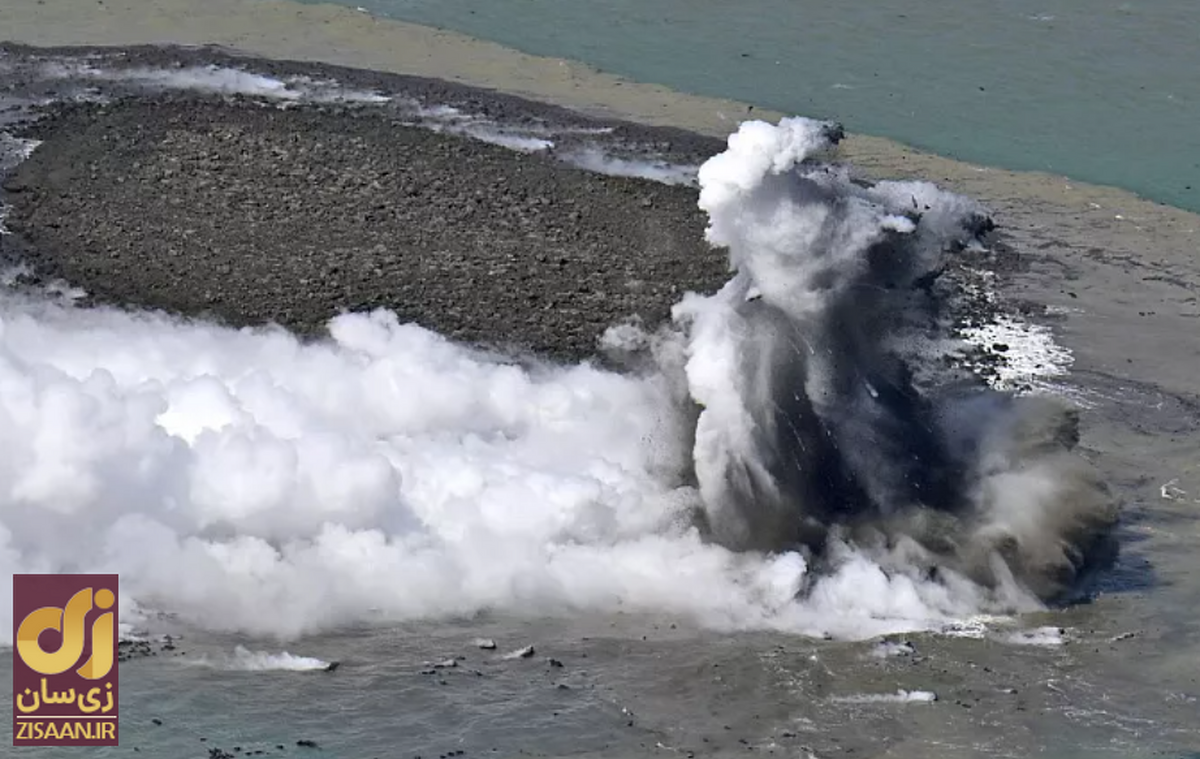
<point x="769" y="463"/>
<point x="814" y="431"/>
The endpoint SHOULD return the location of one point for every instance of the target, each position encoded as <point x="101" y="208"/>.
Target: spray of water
<point x="812" y="427"/>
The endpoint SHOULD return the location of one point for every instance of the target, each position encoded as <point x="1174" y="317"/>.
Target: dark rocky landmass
<point x="251" y="214"/>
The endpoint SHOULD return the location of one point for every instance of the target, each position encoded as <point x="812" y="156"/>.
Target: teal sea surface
<point x="1101" y="91"/>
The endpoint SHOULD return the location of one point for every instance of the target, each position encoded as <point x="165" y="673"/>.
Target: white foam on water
<point x="129" y="633"/>
<point x="13" y="150"/>
<point x="11" y="274"/>
<point x="595" y="159"/>
<point x="1046" y="637"/>
<point x="1032" y="355"/>
<point x="438" y="118"/>
<point x="219" y="80"/>
<point x="524" y="652"/>
<point x="445" y="118"/>
<point x="518" y="142"/>
<point x="975" y="626"/>
<point x="899" y="697"/>
<point x="888" y="650"/>
<point x="245" y="660"/>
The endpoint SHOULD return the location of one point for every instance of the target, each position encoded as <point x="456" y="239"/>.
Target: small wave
<point x="888" y="650"/>
<point x="899" y="697"/>
<point x="444" y="118"/>
<point x="245" y="660"/>
<point x="220" y="80"/>
<point x="595" y="159"/>
<point x="13" y="150"/>
<point x="1048" y="637"/>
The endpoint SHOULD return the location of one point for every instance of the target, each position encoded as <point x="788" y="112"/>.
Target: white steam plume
<point x="812" y="426"/>
<point x="253" y="483"/>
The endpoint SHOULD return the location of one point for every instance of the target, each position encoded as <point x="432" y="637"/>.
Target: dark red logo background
<point x="65" y="660"/>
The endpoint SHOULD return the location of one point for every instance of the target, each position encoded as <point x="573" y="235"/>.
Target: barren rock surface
<point x="253" y="214"/>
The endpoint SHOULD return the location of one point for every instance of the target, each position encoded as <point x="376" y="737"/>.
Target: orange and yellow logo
<point x="65" y="660"/>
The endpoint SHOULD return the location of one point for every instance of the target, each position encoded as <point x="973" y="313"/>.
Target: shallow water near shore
<point x="1112" y="677"/>
<point x="626" y="686"/>
<point x="1100" y="92"/>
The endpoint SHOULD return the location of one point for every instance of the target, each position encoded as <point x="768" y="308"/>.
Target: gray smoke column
<point x="812" y="428"/>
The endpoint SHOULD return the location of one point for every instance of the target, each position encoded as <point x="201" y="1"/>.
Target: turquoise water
<point x="1098" y="90"/>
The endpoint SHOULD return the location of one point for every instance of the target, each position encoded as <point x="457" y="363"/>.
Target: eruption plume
<point x="812" y="424"/>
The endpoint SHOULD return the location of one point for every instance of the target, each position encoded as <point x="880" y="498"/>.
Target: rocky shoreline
<point x="229" y="207"/>
<point x="233" y="209"/>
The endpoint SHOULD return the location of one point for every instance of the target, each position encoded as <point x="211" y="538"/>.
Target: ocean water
<point x="384" y="498"/>
<point x="1102" y="91"/>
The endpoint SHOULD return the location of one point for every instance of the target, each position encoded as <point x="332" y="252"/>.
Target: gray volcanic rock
<point x="252" y="214"/>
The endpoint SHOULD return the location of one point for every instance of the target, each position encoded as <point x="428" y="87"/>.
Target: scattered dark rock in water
<point x="128" y="650"/>
<point x="217" y="753"/>
<point x="333" y="666"/>
<point x="306" y="743"/>
<point x="156" y="721"/>
<point x="554" y="662"/>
